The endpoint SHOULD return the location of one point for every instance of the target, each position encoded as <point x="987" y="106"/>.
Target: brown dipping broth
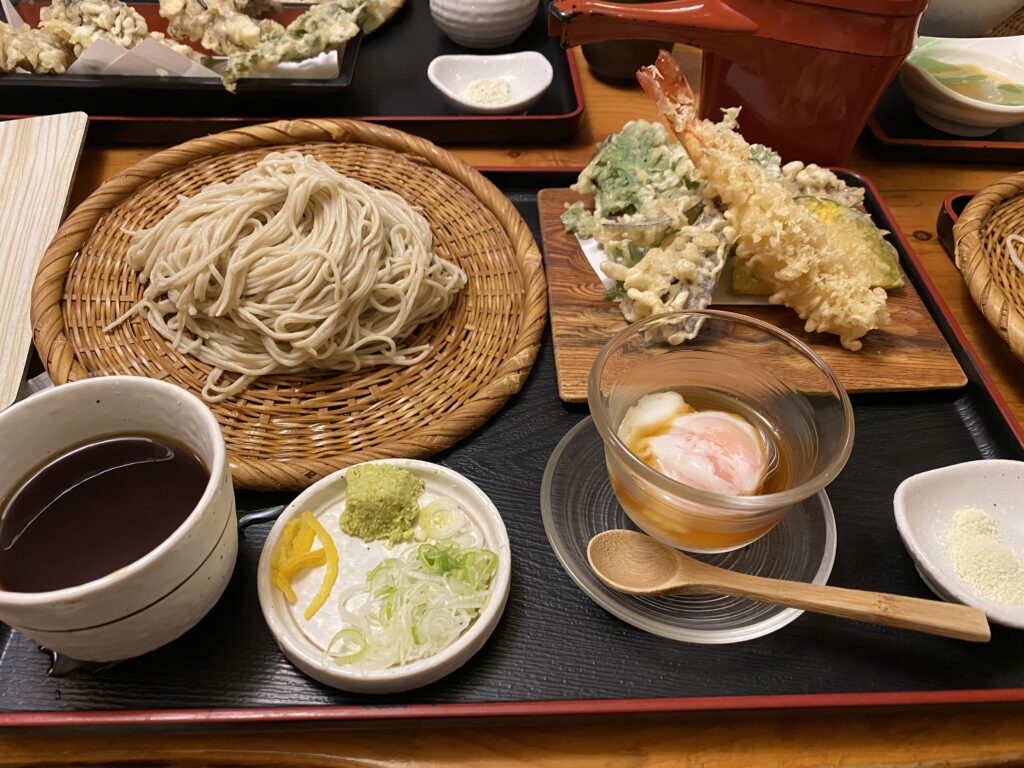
<point x="94" y="509"/>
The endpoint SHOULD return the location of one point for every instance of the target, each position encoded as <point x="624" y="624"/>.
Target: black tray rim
<point x="583" y="707"/>
<point x="981" y="149"/>
<point x="974" y="145"/>
<point x="228" y="122"/>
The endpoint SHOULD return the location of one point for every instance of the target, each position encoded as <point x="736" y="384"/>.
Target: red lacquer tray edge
<point x="506" y="709"/>
<point x="512" y="709"/>
<point x="978" y="144"/>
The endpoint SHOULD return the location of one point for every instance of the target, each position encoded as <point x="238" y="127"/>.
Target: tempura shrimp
<point x="787" y="247"/>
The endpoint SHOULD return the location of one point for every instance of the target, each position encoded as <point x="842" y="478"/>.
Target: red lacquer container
<point x="807" y="73"/>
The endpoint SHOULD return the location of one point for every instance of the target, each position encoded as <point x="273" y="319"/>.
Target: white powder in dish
<point x="979" y="557"/>
<point x="488" y="92"/>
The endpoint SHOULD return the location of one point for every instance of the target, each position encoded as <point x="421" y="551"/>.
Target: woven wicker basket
<point x="996" y="285"/>
<point x="286" y="431"/>
<point x="1011" y="26"/>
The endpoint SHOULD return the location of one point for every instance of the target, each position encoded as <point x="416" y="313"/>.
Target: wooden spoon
<point x="636" y="564"/>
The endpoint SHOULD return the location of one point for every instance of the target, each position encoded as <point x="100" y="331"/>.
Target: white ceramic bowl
<point x="528" y="75"/>
<point x="965" y="18"/>
<point x="163" y="594"/>
<point x="304" y="643"/>
<point x="924" y="505"/>
<point x="483" y="23"/>
<point x="949" y="111"/>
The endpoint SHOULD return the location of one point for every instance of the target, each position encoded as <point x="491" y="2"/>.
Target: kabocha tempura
<point x="805" y="264"/>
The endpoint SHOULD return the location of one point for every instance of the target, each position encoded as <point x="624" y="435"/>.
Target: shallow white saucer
<point x="924" y="505"/>
<point x="304" y="643"/>
<point x="528" y="75"/>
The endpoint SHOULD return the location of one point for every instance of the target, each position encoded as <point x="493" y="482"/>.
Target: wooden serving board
<point x="38" y="160"/>
<point x="909" y="354"/>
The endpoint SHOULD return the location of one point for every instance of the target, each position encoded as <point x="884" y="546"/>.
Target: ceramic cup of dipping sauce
<point x="156" y="598"/>
<point x="770" y="418"/>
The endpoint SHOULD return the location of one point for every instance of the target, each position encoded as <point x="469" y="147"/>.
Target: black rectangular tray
<point x="555" y="651"/>
<point x="897" y="132"/>
<point x="389" y="85"/>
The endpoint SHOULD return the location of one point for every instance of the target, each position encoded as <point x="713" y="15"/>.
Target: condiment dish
<point x="924" y="505"/>
<point x="305" y="642"/>
<point x="155" y="599"/>
<point x="528" y="75"/>
<point x="945" y="109"/>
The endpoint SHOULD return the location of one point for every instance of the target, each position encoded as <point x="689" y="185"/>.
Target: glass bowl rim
<point x="740" y="504"/>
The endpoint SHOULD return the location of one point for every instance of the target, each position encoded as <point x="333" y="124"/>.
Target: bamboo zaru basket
<point x="995" y="282"/>
<point x="286" y="431"/>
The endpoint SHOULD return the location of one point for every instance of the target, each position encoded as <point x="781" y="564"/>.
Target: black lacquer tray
<point x="556" y="652"/>
<point x="385" y="83"/>
<point x="896" y="131"/>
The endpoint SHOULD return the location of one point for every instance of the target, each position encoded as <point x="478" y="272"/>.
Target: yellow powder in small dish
<point x="979" y="556"/>
<point x="488" y="92"/>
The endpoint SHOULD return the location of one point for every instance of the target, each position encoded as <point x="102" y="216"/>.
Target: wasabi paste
<point x="382" y="502"/>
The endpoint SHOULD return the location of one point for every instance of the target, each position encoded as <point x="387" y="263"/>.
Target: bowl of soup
<point x="709" y="441"/>
<point x="966" y="86"/>
<point x="117" y="516"/>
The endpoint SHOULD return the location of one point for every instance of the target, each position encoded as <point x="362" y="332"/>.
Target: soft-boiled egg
<point x="712" y="451"/>
<point x="650" y="414"/>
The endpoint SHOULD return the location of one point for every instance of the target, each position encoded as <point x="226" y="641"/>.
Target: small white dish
<point x="528" y="75"/>
<point x="949" y="111"/>
<point x="924" y="506"/>
<point x="304" y="643"/>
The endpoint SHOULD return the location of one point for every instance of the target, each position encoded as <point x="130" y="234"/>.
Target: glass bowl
<point x="721" y="361"/>
<point x="577" y="503"/>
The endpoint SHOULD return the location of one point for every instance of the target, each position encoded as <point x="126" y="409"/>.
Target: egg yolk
<point x="712" y="451"/>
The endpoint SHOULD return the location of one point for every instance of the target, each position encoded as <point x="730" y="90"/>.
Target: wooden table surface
<point x="938" y="736"/>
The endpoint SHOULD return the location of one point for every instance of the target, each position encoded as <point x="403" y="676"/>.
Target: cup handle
<point x="258" y="516"/>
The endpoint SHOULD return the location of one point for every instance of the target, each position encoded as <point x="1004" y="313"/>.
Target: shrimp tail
<point x="668" y="87"/>
<point x="801" y="259"/>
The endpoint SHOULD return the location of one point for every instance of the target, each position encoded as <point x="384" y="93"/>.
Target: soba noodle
<point x="290" y="267"/>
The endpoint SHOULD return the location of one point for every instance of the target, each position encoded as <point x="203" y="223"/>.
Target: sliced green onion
<point x="347" y="638"/>
<point x="960" y="79"/>
<point x="438" y="558"/>
<point x="414" y="605"/>
<point x="442" y="519"/>
<point x="478" y="566"/>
